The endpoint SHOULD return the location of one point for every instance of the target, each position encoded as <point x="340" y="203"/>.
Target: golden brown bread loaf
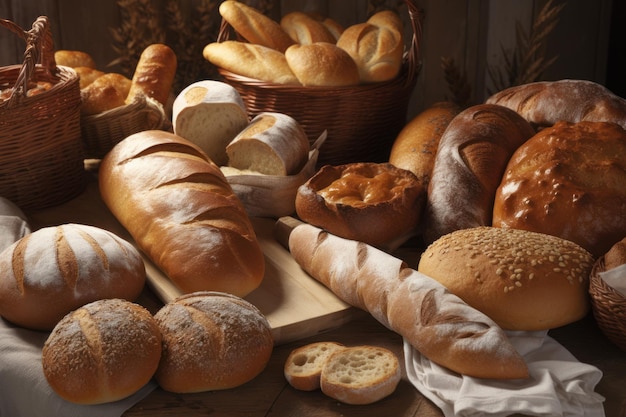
<point x="102" y="352"/>
<point x="544" y="103"/>
<point x="211" y="341"/>
<point x="73" y="59"/>
<point x="568" y="180"/>
<point x="322" y="64"/>
<point x="434" y="321"/>
<point x="250" y="60"/>
<point x="471" y="158"/>
<point x="522" y="280"/>
<point x="254" y="26"/>
<point x="154" y="74"/>
<point x="375" y="203"/>
<point x="182" y="213"/>
<point x="304" y="29"/>
<point x="87" y="75"/>
<point x="616" y="256"/>
<point x="106" y="92"/>
<point x="416" y="145"/>
<point x="57" y="269"/>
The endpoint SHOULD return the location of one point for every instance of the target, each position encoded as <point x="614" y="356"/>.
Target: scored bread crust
<point x="360" y="374"/>
<point x="303" y="367"/>
<point x="434" y="321"/>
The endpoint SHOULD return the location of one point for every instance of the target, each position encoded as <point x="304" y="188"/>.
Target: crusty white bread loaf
<point x="210" y="114"/>
<point x="154" y="74"/>
<point x="56" y="269"/>
<point x="375" y="203"/>
<point x="522" y="280"/>
<point x="387" y="18"/>
<point x="322" y="64"/>
<point x="14" y="224"/>
<point x="360" y="374"/>
<point x="87" y="75"/>
<point x="102" y="352"/>
<point x="434" y="321"/>
<point x="73" y="59"/>
<point x="304" y="29"/>
<point x="106" y="92"/>
<point x="544" y="103"/>
<point x="471" y="159"/>
<point x="250" y="60"/>
<point x="254" y="26"/>
<point x="211" y="341"/>
<point x="182" y="213"/>
<point x="272" y="144"/>
<point x="376" y="46"/>
<point x="303" y="367"/>
<point x="569" y="180"/>
<point x="415" y="147"/>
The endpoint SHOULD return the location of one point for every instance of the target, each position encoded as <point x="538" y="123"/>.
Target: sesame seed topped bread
<point x="522" y="280"/>
<point x="303" y="367"/>
<point x="360" y="374"/>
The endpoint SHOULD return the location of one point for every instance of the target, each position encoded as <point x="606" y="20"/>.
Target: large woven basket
<point x="608" y="305"/>
<point x="362" y="121"/>
<point x="41" y="157"/>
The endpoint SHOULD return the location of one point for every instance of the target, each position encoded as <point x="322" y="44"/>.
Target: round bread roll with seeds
<point x="522" y="280"/>
<point x="303" y="367"/>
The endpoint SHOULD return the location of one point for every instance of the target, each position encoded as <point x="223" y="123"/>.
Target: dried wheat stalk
<point x="457" y="82"/>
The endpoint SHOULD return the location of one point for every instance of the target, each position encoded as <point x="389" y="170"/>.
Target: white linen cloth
<point x="616" y="278"/>
<point x="24" y="390"/>
<point x="559" y="385"/>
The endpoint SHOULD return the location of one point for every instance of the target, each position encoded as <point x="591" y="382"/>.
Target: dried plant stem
<point x="457" y="82"/>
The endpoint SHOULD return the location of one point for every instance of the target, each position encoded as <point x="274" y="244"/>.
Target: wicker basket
<point x="104" y="130"/>
<point x="362" y="121"/>
<point x="41" y="158"/>
<point x="608" y="305"/>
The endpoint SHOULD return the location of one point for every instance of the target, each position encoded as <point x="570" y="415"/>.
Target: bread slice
<point x="303" y="366"/>
<point x="360" y="374"/>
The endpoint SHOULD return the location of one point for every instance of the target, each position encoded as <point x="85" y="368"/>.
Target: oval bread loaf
<point x="102" y="352"/>
<point x="209" y="114"/>
<point x="73" y="59"/>
<point x="272" y="144"/>
<point x="106" y="92"/>
<point x="182" y="213"/>
<point x="211" y="341"/>
<point x="57" y="269"/>
<point x="322" y="64"/>
<point x="304" y="29"/>
<point x="303" y="367"/>
<point x="154" y="74"/>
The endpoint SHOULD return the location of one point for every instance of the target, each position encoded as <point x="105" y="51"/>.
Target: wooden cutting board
<point x="296" y="305"/>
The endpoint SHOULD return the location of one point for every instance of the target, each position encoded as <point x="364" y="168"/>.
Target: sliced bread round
<point x="303" y="366"/>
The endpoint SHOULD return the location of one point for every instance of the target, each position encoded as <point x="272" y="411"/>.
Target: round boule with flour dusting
<point x="522" y="280"/>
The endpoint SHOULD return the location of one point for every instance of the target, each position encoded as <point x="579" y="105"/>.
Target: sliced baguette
<point x="303" y="367"/>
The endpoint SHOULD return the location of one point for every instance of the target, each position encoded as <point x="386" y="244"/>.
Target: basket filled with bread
<point x="41" y="158"/>
<point x="115" y="106"/>
<point x="353" y="82"/>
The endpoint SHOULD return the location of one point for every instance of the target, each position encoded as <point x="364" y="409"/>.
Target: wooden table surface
<point x="270" y="395"/>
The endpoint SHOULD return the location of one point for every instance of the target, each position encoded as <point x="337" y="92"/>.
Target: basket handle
<point x="416" y="17"/>
<point x="39" y="50"/>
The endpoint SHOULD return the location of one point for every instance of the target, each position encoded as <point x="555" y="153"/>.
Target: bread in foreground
<point x="303" y="367"/>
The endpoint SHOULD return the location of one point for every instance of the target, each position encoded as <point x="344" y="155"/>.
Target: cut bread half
<point x="303" y="366"/>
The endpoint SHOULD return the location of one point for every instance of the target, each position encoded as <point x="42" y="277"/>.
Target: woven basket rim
<point x="604" y="300"/>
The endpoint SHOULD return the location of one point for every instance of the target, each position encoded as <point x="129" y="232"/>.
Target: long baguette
<point x="434" y="321"/>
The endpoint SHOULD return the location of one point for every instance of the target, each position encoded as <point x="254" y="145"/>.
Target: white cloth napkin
<point x="24" y="390"/>
<point x="559" y="385"/>
<point x="616" y="278"/>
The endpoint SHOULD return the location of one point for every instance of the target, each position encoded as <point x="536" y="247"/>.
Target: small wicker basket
<point x="362" y="121"/>
<point x="608" y="305"/>
<point x="41" y="157"/>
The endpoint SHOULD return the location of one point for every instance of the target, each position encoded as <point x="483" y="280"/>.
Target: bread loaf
<point x="360" y="374"/>
<point x="544" y="103"/>
<point x="569" y="180"/>
<point x="272" y="144"/>
<point x="57" y="269"/>
<point x="102" y="352"/>
<point x="211" y="341"/>
<point x="378" y="204"/>
<point x="13" y="223"/>
<point x="209" y="114"/>
<point x="254" y="26"/>
<point x="616" y="256"/>
<point x="435" y="322"/>
<point x="154" y="74"/>
<point x="415" y="147"/>
<point x="181" y="212"/>
<point x="106" y="92"/>
<point x="250" y="60"/>
<point x="471" y="159"/>
<point x="87" y="75"/>
<point x="304" y="29"/>
<point x="522" y="280"/>
<point x="73" y="59"/>
<point x="303" y="367"/>
<point x="322" y="64"/>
